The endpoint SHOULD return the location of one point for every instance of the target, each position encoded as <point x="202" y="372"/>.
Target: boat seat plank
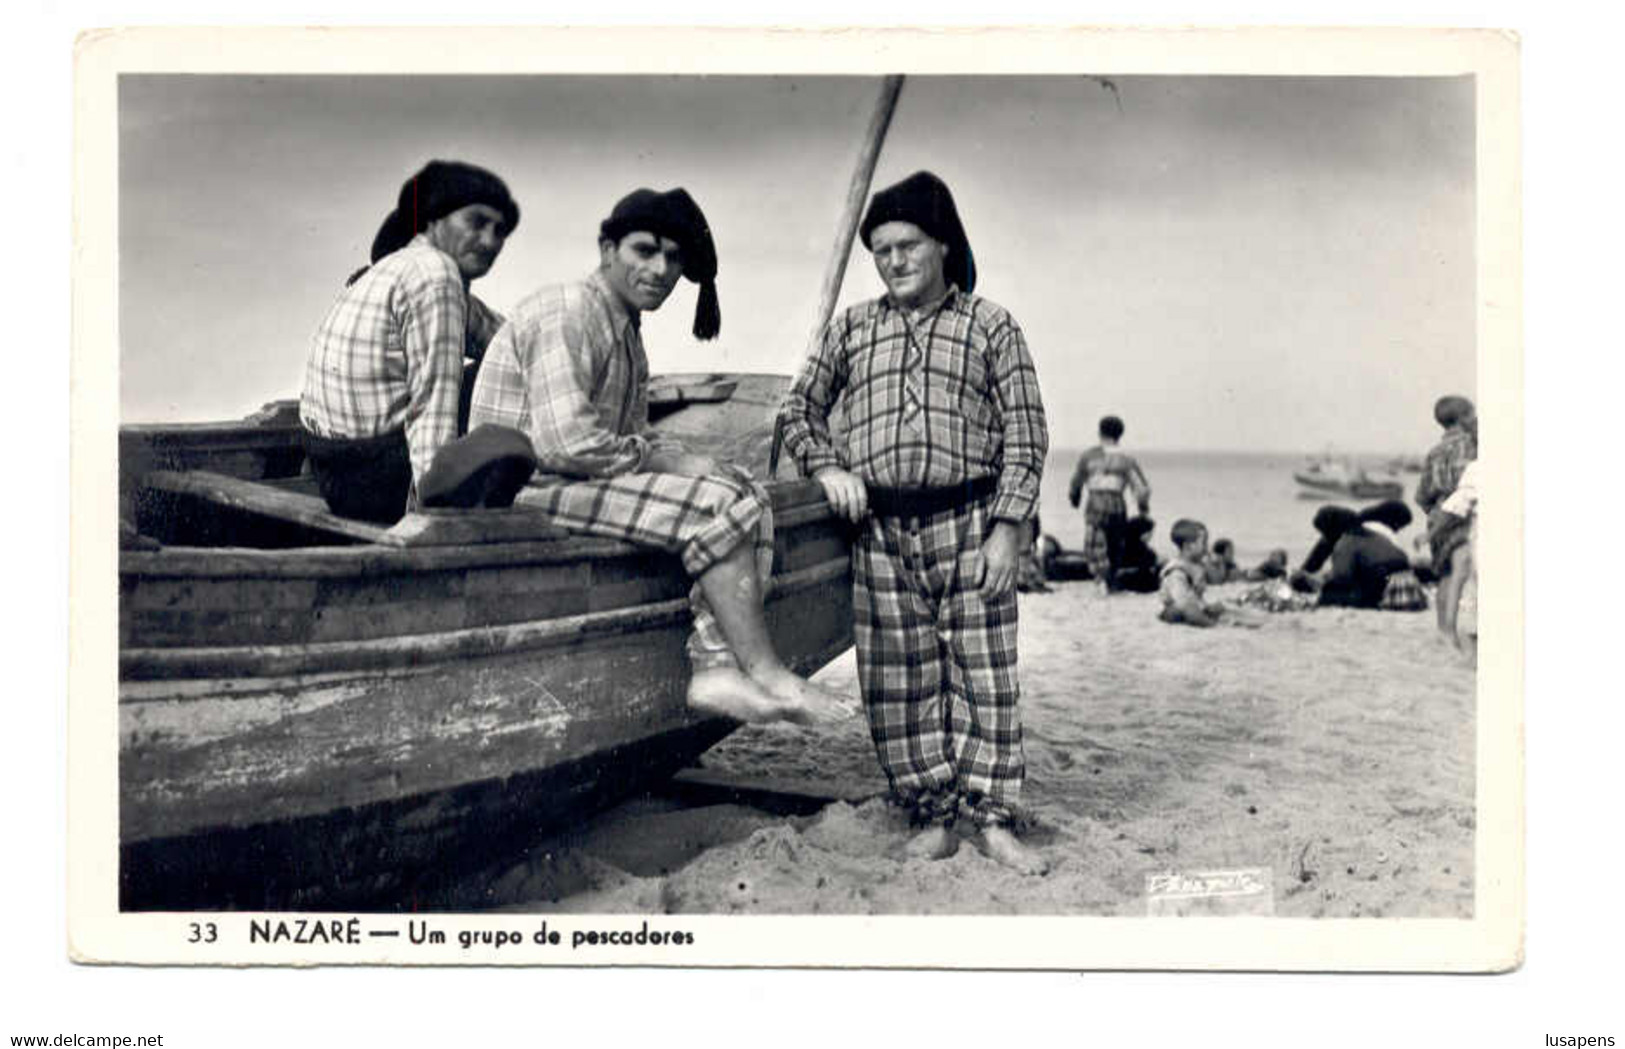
<point x="258" y="497"/>
<point x="294" y="500"/>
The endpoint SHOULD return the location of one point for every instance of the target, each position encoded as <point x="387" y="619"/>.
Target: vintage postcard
<point x="916" y="499"/>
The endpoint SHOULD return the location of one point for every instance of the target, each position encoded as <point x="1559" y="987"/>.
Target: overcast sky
<point x="1228" y="263"/>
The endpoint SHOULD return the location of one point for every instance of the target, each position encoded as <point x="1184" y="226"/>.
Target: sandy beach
<point x="1333" y="747"/>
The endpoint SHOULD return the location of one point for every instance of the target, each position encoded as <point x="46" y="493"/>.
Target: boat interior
<point x="244" y="484"/>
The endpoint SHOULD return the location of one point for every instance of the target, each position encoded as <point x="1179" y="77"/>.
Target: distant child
<point x="1220" y="565"/>
<point x="1184" y="579"/>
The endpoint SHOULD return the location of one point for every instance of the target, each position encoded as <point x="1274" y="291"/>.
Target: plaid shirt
<point x="934" y="400"/>
<point x="389" y="353"/>
<point x="1442" y="470"/>
<point x="569" y="370"/>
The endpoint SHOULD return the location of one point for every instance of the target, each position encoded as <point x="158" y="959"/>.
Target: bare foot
<point x="806" y="702"/>
<point x="727" y="692"/>
<point x="932" y="843"/>
<point x="1003" y="846"/>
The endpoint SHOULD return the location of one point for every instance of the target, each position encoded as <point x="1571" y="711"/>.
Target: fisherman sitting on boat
<point x="383" y="381"/>
<point x="570" y="372"/>
<point x="941" y="464"/>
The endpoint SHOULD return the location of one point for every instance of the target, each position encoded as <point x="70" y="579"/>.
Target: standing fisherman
<point x="570" y="372"/>
<point x="384" y="378"/>
<point x="944" y="453"/>
<point x="1103" y="474"/>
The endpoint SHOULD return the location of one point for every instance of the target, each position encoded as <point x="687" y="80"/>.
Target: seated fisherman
<point x="569" y="370"/>
<point x="383" y="381"/>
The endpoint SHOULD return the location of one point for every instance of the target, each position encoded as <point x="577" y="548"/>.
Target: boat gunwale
<point x="162" y="663"/>
<point x="800" y="503"/>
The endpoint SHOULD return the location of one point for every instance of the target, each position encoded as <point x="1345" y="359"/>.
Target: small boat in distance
<point x="1331" y="478"/>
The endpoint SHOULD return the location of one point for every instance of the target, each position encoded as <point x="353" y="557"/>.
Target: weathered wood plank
<point x="281" y="504"/>
<point x="819" y="597"/>
<point x="462" y="527"/>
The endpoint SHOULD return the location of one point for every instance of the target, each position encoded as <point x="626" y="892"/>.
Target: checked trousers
<point x="937" y="666"/>
<point x="703" y="519"/>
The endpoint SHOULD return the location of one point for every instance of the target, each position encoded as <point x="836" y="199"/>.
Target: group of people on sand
<point x="418" y="394"/>
<point x="1357" y="561"/>
<point x="1117" y="545"/>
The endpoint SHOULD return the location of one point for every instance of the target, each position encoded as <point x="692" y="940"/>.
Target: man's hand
<point x="1002" y="552"/>
<point x="680" y="463"/>
<point x="845" y="491"/>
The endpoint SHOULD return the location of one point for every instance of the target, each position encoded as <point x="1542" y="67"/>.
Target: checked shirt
<point x="934" y="400"/>
<point x="1441" y="473"/>
<point x="570" y="372"/>
<point x="389" y="354"/>
<point x="937" y="399"/>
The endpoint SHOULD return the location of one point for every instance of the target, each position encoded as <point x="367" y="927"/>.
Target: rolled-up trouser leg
<point x="702" y="519"/>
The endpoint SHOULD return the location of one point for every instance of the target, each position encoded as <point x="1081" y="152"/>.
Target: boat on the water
<point x="1334" y="478"/>
<point x="316" y="712"/>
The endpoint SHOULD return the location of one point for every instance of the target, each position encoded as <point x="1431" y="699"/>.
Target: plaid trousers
<point x="703" y="519"/>
<point x="937" y="666"/>
<point x="1100" y="508"/>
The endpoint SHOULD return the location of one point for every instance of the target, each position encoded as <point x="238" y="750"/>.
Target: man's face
<point x="472" y="236"/>
<point x="910" y="262"/>
<point x="642" y="269"/>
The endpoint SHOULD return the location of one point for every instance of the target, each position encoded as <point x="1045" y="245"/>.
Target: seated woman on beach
<point x="1403" y="591"/>
<point x="1362" y="564"/>
<point x="1331" y="522"/>
<point x="1134" y="564"/>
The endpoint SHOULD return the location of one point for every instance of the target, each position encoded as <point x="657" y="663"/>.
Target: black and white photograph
<point x="646" y="505"/>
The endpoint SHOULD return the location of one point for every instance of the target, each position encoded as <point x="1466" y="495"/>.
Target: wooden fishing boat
<point x="319" y="712"/>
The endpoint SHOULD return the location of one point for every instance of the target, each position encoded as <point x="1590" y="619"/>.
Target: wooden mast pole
<point x="857" y="193"/>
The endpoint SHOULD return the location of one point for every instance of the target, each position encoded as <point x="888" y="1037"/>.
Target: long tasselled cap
<point x="435" y="191"/>
<point x="674" y="214"/>
<point x="924" y="200"/>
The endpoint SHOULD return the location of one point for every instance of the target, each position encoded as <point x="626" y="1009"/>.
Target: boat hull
<point x="314" y="720"/>
<point x="344" y="788"/>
